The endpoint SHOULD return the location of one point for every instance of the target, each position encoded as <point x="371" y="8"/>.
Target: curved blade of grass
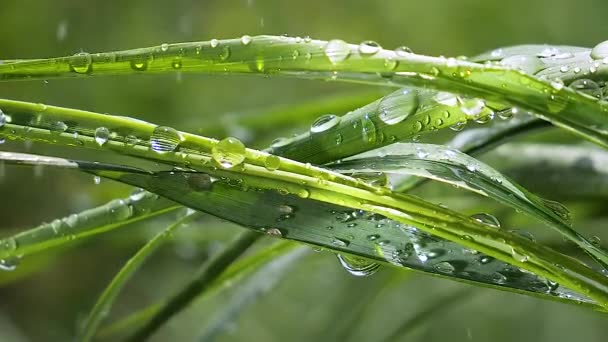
<point x="200" y="283"/>
<point x="236" y="271"/>
<point x="104" y="303"/>
<point x="453" y="167"/>
<point x="337" y="60"/>
<point x="248" y="291"/>
<point x="302" y="180"/>
<point x="112" y="215"/>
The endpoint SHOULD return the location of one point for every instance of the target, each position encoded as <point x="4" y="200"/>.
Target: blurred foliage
<point x="44" y="297"/>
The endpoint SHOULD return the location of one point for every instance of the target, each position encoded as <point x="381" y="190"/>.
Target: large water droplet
<point x="121" y="209"/>
<point x="487" y="219"/>
<point x="369" y="48"/>
<point x="368" y="129"/>
<point x="323" y="123"/>
<point x="528" y="64"/>
<point x="397" y="106"/>
<point x="102" y="135"/>
<point x="165" y="139"/>
<point x="600" y="51"/>
<point x="357" y="266"/>
<point x="588" y="87"/>
<point x="337" y="51"/>
<point x="229" y="152"/>
<point x="81" y="63"/>
<point x="272" y="162"/>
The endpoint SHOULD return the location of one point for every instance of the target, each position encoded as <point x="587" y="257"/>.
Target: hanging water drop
<point x="229" y="152"/>
<point x="369" y="48"/>
<point x="324" y="123"/>
<point x="165" y="139"/>
<point x="357" y="266"/>
<point x="487" y="219"/>
<point x="81" y="63"/>
<point x="397" y="106"/>
<point x="102" y="135"/>
<point x="337" y="51"/>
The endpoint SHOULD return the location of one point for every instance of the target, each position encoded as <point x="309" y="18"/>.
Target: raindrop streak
<point x="600" y="51"/>
<point x="165" y="139"/>
<point x="81" y="63"/>
<point x="356" y="266"/>
<point x="337" y="51"/>
<point x="102" y="135"/>
<point x="369" y="48"/>
<point x="323" y="123"/>
<point x="229" y="152"/>
<point x="487" y="219"/>
<point x="396" y="107"/>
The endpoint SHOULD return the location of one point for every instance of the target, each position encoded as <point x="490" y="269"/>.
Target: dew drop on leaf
<point x="397" y="106"/>
<point x="357" y="266"/>
<point x="403" y="51"/>
<point x="337" y="51"/>
<point x="102" y="135"/>
<point x="528" y="64"/>
<point x="165" y="139"/>
<point x="369" y="48"/>
<point x="200" y="182"/>
<point x="472" y="107"/>
<point x="8" y="244"/>
<point x="272" y="162"/>
<point x="81" y="63"/>
<point x="229" y="152"/>
<point x="324" y="123"/>
<point x="339" y="242"/>
<point x="444" y="267"/>
<point x="588" y="87"/>
<point x="246" y="40"/>
<point x="487" y="219"/>
<point x="368" y="130"/>
<point x="58" y="127"/>
<point x="164" y="47"/>
<point x="600" y="51"/>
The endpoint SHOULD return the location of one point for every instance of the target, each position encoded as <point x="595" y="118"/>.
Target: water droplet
<point x="200" y="182"/>
<point x="600" y="51"/>
<point x="588" y="87"/>
<point x="596" y="241"/>
<point x="528" y="64"/>
<point x="564" y="68"/>
<point x="274" y="232"/>
<point x="487" y="219"/>
<point x="499" y="278"/>
<point x="58" y="127"/>
<point x="517" y="255"/>
<point x="272" y="162"/>
<point x="139" y="65"/>
<point x="373" y="237"/>
<point x="164" y="47"/>
<point x="96" y="180"/>
<point x="8" y="244"/>
<point x="340" y="242"/>
<point x="214" y="43"/>
<point x="325" y="122"/>
<point x="397" y="106"/>
<point x="338" y="139"/>
<point x="120" y="209"/>
<point x="548" y="52"/>
<point x="81" y="63"/>
<point x="246" y="40"/>
<point x="102" y="135"/>
<point x="131" y="140"/>
<point x="558" y="209"/>
<point x="472" y="107"/>
<point x="357" y="266"/>
<point x="229" y="152"/>
<point x="446" y="99"/>
<point x="9" y="264"/>
<point x="458" y="126"/>
<point x="137" y="195"/>
<point x="176" y="64"/>
<point x="403" y="51"/>
<point x="165" y="139"/>
<point x="484" y="259"/>
<point x="337" y="51"/>
<point x="444" y="267"/>
<point x="369" y="48"/>
<point x="390" y="63"/>
<point x="368" y="129"/>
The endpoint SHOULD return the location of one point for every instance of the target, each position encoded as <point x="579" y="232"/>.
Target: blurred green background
<point x="47" y="296"/>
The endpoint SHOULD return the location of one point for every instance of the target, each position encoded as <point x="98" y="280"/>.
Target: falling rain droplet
<point x="369" y="48"/>
<point x="102" y="135"/>
<point x="165" y="139"/>
<point x="324" y="123"/>
<point x="357" y="266"/>
<point x="81" y="63"/>
<point x="337" y="51"/>
<point x="487" y="219"/>
<point x="229" y="152"/>
<point x="600" y="51"/>
<point x="397" y="106"/>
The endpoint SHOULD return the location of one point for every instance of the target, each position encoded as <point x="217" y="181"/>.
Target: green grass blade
<point x="314" y="185"/>
<point x="453" y="167"/>
<point x="104" y="303"/>
<point x="200" y="283"/>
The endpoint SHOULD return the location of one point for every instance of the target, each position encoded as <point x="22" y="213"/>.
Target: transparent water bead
<point x="528" y="64"/>
<point x="397" y="106"/>
<point x="81" y="63"/>
<point x="337" y="51"/>
<point x="487" y="219"/>
<point x="58" y="127"/>
<point x="444" y="267"/>
<point x="368" y="130"/>
<point x="246" y="40"/>
<point x="324" y="123"/>
<point x="356" y="266"/>
<point x="588" y="87"/>
<point x="369" y="48"/>
<point x="472" y="107"/>
<point x="229" y="152"/>
<point x="102" y="135"/>
<point x="165" y="139"/>
<point x="600" y="51"/>
<point x="272" y="162"/>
